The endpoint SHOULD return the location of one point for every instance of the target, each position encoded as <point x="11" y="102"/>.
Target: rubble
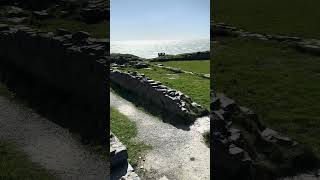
<point x="246" y="149"/>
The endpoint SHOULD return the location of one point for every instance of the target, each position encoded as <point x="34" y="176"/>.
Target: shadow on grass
<point x="14" y="164"/>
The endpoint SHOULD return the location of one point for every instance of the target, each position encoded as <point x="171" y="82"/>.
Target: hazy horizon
<point x="151" y="48"/>
<point x="159" y="20"/>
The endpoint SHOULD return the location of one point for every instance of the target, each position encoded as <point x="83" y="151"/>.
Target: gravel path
<point x="49" y="144"/>
<point x="177" y="154"/>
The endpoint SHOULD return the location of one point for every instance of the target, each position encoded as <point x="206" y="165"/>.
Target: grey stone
<point x="226" y="103"/>
<point x="118" y="152"/>
<point x="4" y="27"/>
<point x="62" y="32"/>
<point x="80" y="36"/>
<point x="236" y="152"/>
<point x="41" y="14"/>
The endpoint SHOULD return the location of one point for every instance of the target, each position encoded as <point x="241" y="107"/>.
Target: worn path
<point x="177" y="154"/>
<point x="49" y="144"/>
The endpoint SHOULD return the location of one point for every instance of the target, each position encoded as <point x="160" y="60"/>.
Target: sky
<point x="159" y="19"/>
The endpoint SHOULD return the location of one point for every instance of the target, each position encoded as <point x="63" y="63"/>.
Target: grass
<point x="279" y="83"/>
<point x="292" y="17"/>
<point x="199" y="66"/>
<point x="15" y="165"/>
<point x="99" y="30"/>
<point x="197" y="88"/>
<point x="4" y="91"/>
<point x="126" y="131"/>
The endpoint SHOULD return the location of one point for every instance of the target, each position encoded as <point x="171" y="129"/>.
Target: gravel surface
<point x="177" y="154"/>
<point x="49" y="144"/>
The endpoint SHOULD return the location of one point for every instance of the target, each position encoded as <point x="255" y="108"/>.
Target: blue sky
<point x="159" y="19"/>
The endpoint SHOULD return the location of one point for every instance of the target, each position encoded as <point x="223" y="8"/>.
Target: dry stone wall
<point x="95" y="11"/>
<point x="173" y="101"/>
<point x="120" y="168"/>
<point x="311" y="46"/>
<point x="64" y="75"/>
<point x="247" y="149"/>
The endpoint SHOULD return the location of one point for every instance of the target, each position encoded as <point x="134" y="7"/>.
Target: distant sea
<point x="150" y="48"/>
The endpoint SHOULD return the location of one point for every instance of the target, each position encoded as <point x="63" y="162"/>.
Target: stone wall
<point x="62" y="75"/>
<point x="311" y="46"/>
<point x="95" y="11"/>
<point x="170" y="100"/>
<point x="247" y="149"/>
<point x="204" y="55"/>
<point x="120" y="168"/>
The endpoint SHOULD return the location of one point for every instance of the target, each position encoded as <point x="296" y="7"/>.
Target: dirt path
<point x="49" y="144"/>
<point x="177" y="154"/>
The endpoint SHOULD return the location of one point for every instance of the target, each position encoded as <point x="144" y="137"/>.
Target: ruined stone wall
<point x="174" y="102"/>
<point x="247" y="149"/>
<point x="120" y="167"/>
<point x="311" y="46"/>
<point x="63" y="75"/>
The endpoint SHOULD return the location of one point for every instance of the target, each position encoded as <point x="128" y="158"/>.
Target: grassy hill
<point x="279" y="83"/>
<point x="291" y="17"/>
<point x="199" y="66"/>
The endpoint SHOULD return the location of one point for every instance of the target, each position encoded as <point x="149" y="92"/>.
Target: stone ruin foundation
<point x="244" y="148"/>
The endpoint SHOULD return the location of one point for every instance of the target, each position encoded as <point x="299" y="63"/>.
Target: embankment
<point x="62" y="75"/>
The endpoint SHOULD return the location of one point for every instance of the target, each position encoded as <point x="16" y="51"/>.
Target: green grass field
<point x="197" y="88"/>
<point x="199" y="66"/>
<point x="126" y="131"/>
<point x="279" y="83"/>
<point x="291" y="17"/>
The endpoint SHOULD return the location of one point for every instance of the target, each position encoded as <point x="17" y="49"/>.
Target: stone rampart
<point x="63" y="75"/>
